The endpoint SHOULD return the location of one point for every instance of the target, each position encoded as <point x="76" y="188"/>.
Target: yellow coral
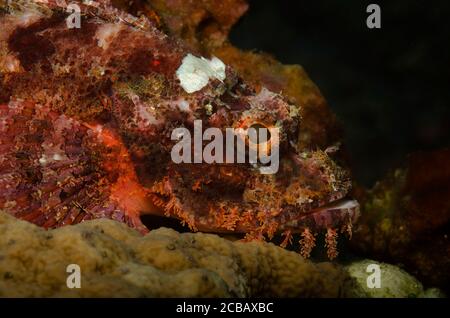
<point x="117" y="261"/>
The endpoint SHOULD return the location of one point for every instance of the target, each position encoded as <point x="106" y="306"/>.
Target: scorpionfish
<point x="88" y="105"/>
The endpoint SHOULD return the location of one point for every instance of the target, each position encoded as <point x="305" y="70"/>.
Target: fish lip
<point x="322" y="203"/>
<point x="340" y="204"/>
<point x="331" y="215"/>
<point x="332" y="203"/>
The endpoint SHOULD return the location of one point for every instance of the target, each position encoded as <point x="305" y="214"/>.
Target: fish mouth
<point x="340" y="215"/>
<point x="300" y="209"/>
<point x="223" y="207"/>
<point x="337" y="214"/>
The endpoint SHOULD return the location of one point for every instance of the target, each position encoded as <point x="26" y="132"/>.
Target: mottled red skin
<point x="130" y="89"/>
<point x="56" y="170"/>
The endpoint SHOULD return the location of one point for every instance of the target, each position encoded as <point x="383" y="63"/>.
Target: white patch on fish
<point x="195" y="72"/>
<point x="106" y="34"/>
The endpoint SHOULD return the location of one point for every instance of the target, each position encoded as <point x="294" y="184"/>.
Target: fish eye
<point x="262" y="134"/>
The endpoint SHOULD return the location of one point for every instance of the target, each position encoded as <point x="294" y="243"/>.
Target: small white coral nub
<point x="195" y="72"/>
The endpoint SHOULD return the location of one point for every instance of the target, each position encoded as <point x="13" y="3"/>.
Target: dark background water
<point x="389" y="87"/>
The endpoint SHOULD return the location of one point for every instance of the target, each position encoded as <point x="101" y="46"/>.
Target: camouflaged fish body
<point x="86" y="118"/>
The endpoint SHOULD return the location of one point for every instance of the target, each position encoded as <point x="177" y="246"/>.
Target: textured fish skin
<point x="86" y="118"/>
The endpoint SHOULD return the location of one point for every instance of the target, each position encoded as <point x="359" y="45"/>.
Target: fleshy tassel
<point x="287" y="239"/>
<point x="331" y="243"/>
<point x="307" y="243"/>
<point x="348" y="229"/>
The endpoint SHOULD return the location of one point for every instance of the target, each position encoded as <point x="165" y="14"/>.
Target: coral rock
<point x="394" y="282"/>
<point x="116" y="261"/>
